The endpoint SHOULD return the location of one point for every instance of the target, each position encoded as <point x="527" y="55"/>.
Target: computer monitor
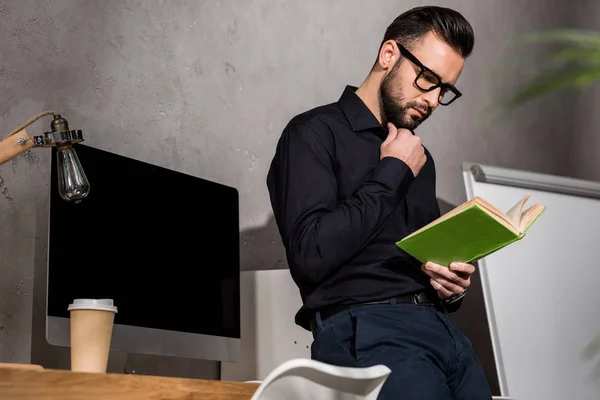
<point x="162" y="244"/>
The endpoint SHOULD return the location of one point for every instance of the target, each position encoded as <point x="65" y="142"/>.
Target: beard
<point x="394" y="106"/>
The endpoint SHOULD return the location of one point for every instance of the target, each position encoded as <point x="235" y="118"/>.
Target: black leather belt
<point x="418" y="299"/>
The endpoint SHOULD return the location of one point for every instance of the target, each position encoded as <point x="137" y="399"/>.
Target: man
<point x="351" y="178"/>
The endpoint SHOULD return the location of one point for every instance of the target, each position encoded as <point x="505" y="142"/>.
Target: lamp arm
<point x="31" y="121"/>
<point x="18" y="140"/>
<point x="12" y="146"/>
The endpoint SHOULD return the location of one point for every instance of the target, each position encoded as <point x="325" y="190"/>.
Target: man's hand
<point x="402" y="144"/>
<point x="449" y="281"/>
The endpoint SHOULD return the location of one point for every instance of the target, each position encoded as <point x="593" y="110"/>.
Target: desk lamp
<point x="73" y="185"/>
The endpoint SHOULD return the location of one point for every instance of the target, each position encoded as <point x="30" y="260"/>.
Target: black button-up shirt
<point x="340" y="210"/>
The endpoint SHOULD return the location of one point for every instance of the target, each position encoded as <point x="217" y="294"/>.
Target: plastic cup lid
<point x="93" y="304"/>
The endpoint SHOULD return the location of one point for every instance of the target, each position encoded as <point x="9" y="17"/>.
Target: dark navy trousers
<point x="429" y="357"/>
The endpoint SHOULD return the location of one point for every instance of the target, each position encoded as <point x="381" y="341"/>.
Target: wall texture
<point x="205" y="87"/>
<point x="585" y="124"/>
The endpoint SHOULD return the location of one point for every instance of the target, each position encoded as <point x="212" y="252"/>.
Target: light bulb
<point x="72" y="183"/>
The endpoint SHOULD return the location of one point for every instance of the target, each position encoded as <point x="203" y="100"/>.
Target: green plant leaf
<point x="578" y="37"/>
<point x="576" y="79"/>
<point x="592" y="350"/>
<point x="591" y="353"/>
<point x="585" y="55"/>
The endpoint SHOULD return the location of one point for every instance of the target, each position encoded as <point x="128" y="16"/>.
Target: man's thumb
<point x="392" y="132"/>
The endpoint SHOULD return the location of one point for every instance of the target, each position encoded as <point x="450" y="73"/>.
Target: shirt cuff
<point x="394" y="174"/>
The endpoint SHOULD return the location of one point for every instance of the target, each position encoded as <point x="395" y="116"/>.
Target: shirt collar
<point x="358" y="114"/>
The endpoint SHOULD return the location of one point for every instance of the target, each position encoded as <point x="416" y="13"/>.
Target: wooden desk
<point x="21" y="382"/>
<point x="38" y="384"/>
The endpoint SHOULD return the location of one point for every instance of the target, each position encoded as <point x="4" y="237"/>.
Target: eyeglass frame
<point x="441" y="84"/>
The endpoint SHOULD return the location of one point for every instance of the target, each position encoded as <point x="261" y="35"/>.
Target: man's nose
<point x="432" y="98"/>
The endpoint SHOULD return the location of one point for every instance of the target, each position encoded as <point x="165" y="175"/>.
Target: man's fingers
<point x="467" y="269"/>
<point x="392" y="133"/>
<point x="445" y="281"/>
<point x="442" y="291"/>
<point x="446" y="273"/>
<point x="451" y="287"/>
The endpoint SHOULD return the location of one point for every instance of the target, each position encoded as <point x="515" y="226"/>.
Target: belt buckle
<point x="420" y="298"/>
<point x="415" y="298"/>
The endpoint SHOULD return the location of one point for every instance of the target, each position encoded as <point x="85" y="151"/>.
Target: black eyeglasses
<point x="427" y="80"/>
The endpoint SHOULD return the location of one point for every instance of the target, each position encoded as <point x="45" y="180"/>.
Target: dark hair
<point x="447" y="24"/>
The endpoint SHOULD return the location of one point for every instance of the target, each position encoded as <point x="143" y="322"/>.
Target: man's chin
<point x="409" y="123"/>
<point x="404" y="120"/>
<point x="415" y="122"/>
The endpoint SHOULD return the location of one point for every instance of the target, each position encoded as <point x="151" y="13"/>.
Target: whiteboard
<point x="542" y="294"/>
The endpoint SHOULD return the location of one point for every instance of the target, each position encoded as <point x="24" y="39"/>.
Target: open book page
<point x="515" y="213"/>
<point x="522" y="219"/>
<point x="529" y="216"/>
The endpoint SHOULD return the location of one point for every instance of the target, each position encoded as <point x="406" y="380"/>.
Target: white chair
<point x="307" y="379"/>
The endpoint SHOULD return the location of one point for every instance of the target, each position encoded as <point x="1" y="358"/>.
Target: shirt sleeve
<point x="320" y="231"/>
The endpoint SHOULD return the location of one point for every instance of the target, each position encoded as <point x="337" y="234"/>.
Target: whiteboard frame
<point x="522" y="179"/>
<point x="532" y="180"/>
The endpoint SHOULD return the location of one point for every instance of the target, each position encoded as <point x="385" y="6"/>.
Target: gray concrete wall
<point x="585" y="124"/>
<point x="205" y="87"/>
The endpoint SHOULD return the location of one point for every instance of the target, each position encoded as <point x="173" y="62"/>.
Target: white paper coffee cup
<point x="92" y="323"/>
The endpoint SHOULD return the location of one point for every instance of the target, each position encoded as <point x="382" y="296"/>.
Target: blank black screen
<point x="164" y="245"/>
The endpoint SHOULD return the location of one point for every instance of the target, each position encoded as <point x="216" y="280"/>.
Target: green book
<point x="470" y="232"/>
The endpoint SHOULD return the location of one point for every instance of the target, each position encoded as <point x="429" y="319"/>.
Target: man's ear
<point x="388" y="55"/>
